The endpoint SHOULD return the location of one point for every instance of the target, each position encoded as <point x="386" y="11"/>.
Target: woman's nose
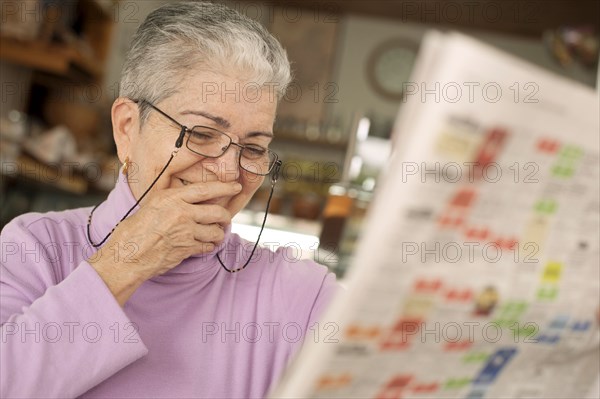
<point x="227" y="165"/>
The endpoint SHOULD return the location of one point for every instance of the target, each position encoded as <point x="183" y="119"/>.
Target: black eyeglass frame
<point x="185" y="129"/>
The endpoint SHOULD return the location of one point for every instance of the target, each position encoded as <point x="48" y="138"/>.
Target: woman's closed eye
<point x="254" y="151"/>
<point x="204" y="135"/>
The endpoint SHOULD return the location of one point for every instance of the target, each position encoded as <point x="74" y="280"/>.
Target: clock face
<point x="389" y="68"/>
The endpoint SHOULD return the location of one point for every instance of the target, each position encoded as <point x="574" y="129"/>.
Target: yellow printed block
<point x="534" y="236"/>
<point x="417" y="307"/>
<point x="552" y="272"/>
<point x="459" y="141"/>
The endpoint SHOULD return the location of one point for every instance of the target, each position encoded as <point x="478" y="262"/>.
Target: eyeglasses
<point x="213" y="143"/>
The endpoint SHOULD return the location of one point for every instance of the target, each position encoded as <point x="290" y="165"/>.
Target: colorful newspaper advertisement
<point x="477" y="274"/>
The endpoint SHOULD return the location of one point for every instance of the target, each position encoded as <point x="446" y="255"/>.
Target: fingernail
<point x="237" y="186"/>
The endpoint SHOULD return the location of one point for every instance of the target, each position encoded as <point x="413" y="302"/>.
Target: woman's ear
<point x="125" y="124"/>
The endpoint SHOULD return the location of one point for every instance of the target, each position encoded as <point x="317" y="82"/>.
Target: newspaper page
<point x="478" y="271"/>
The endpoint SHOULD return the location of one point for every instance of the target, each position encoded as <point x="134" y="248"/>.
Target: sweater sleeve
<point x="59" y="336"/>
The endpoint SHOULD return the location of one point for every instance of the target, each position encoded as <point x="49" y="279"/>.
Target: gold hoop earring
<point x="126" y="166"/>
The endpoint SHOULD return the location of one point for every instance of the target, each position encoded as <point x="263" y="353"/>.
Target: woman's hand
<point x="171" y="225"/>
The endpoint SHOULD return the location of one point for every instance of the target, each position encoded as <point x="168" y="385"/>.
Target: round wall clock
<point x="389" y="67"/>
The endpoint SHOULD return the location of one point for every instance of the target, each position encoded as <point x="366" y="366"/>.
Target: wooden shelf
<point x="27" y="168"/>
<point x="48" y="57"/>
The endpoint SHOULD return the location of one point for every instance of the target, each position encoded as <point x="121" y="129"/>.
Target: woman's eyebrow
<point x="224" y="123"/>
<point x="257" y="134"/>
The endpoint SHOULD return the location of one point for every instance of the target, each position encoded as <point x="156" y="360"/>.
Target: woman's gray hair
<point x="178" y="38"/>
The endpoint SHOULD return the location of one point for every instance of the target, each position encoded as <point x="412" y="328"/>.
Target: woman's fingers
<point x="209" y="214"/>
<point x="180" y="222"/>
<point x="200" y="192"/>
<point x="212" y="233"/>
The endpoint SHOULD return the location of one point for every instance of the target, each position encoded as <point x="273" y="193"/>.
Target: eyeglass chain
<point x="178" y="144"/>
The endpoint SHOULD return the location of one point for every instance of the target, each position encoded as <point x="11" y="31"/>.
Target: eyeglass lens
<point x="213" y="143"/>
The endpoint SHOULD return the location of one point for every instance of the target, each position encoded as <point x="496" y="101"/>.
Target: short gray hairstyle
<point x="179" y="37"/>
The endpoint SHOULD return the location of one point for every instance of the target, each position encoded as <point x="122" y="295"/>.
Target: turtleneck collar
<point x="119" y="201"/>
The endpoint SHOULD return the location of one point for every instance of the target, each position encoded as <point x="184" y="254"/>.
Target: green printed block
<point x="570" y="152"/>
<point x="546" y="206"/>
<point x="475" y="357"/>
<point x="562" y="171"/>
<point x="514" y="307"/>
<point x="505" y="323"/>
<point x="547" y="293"/>
<point x="457" y="383"/>
<point x="510" y="313"/>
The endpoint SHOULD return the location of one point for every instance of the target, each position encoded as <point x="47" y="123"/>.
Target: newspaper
<point x="477" y="275"/>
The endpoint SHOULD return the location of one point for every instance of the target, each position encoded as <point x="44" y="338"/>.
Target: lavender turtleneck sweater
<point x="196" y="331"/>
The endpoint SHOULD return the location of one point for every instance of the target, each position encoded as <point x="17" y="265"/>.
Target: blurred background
<point x="60" y="63"/>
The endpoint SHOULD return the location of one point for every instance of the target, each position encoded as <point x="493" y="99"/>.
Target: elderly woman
<point x="171" y="304"/>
